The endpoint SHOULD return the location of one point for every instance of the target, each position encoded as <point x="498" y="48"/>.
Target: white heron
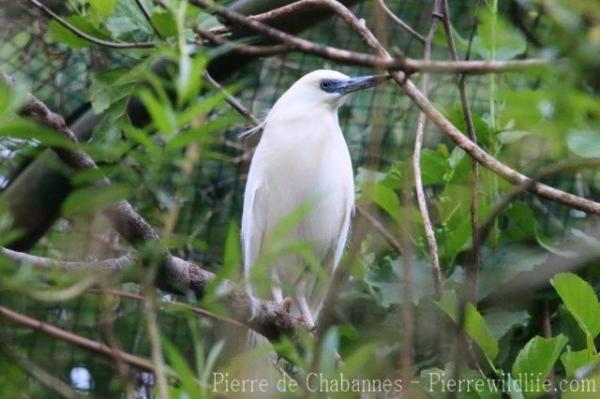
<point x="302" y="160"/>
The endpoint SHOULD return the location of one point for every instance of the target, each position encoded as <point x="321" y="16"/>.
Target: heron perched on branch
<point x="301" y="166"/>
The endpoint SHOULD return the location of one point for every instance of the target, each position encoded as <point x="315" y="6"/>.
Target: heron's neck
<point x="305" y="110"/>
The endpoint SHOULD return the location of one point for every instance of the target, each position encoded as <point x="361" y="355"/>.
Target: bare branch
<point x="419" y="136"/>
<point x="407" y="65"/>
<point x="473" y="272"/>
<point x="175" y="305"/>
<point x="400" y="22"/>
<point x="74" y="339"/>
<point x="551" y="170"/>
<point x="262" y="51"/>
<point x="376" y="224"/>
<point x="107" y="265"/>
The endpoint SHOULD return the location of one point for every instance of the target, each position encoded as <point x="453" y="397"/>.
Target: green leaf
<point x="501" y="321"/>
<point x="161" y="112"/>
<point x="184" y="372"/>
<point x="512" y="136"/>
<point x="523" y="222"/>
<point x="507" y="42"/>
<point x="477" y="329"/>
<point x="232" y="258"/>
<point x="474" y="324"/>
<point x="575" y="360"/>
<point x="128" y="23"/>
<point x="211" y="360"/>
<point x="17" y="127"/>
<point x="537" y="359"/>
<point x="585" y="144"/>
<point x="580" y="300"/>
<point x="200" y="133"/>
<point x="329" y="349"/>
<point x="62" y="35"/>
<point x="506" y="263"/>
<point x="386" y="198"/>
<point x="92" y="199"/>
<point x="104" y="8"/>
<point x="114" y="85"/>
<point x="434" y="166"/>
<point x="390" y="283"/>
<point x="164" y="22"/>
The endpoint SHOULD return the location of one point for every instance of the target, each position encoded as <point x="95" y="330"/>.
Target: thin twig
<point x="231" y="100"/>
<point x="111" y="266"/>
<point x="175" y="305"/>
<point x="87" y="36"/>
<point x="508" y="199"/>
<point x="108" y="265"/>
<point x="377" y="225"/>
<point x="75" y="339"/>
<point x="473" y="271"/>
<point x="416" y="162"/>
<point x="259" y="51"/>
<point x="400" y="22"/>
<point x="148" y="17"/>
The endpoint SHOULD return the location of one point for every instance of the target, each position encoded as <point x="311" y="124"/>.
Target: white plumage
<point x="302" y="160"/>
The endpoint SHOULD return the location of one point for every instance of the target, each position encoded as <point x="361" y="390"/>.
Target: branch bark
<point x="380" y="61"/>
<point x="384" y="60"/>
<point x="74" y="339"/>
<point x="473" y="270"/>
<point x="419" y="136"/>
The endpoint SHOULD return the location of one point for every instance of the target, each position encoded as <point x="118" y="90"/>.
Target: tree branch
<point x="260" y="51"/>
<point x="384" y="60"/>
<point x="405" y="64"/>
<point x="472" y="272"/>
<point x="400" y="22"/>
<point x="75" y="339"/>
<point x="376" y="224"/>
<point x="419" y="136"/>
<point x="107" y="265"/>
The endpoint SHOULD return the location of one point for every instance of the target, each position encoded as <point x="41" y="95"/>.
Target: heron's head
<point x="328" y="88"/>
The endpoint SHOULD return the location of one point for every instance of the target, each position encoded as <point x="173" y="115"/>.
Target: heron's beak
<point x="362" y="82"/>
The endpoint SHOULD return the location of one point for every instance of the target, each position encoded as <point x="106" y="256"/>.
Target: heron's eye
<point x="326" y="85"/>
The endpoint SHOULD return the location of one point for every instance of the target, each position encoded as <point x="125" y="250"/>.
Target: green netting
<point x="60" y="77"/>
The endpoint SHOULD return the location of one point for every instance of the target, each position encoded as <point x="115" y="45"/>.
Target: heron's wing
<point x="344" y="231"/>
<point x="253" y="226"/>
<point x="343" y="236"/>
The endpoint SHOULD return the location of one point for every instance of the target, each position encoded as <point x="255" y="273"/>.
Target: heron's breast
<point x="315" y="176"/>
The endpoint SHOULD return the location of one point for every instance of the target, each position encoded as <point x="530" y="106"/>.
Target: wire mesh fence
<point x="60" y="77"/>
